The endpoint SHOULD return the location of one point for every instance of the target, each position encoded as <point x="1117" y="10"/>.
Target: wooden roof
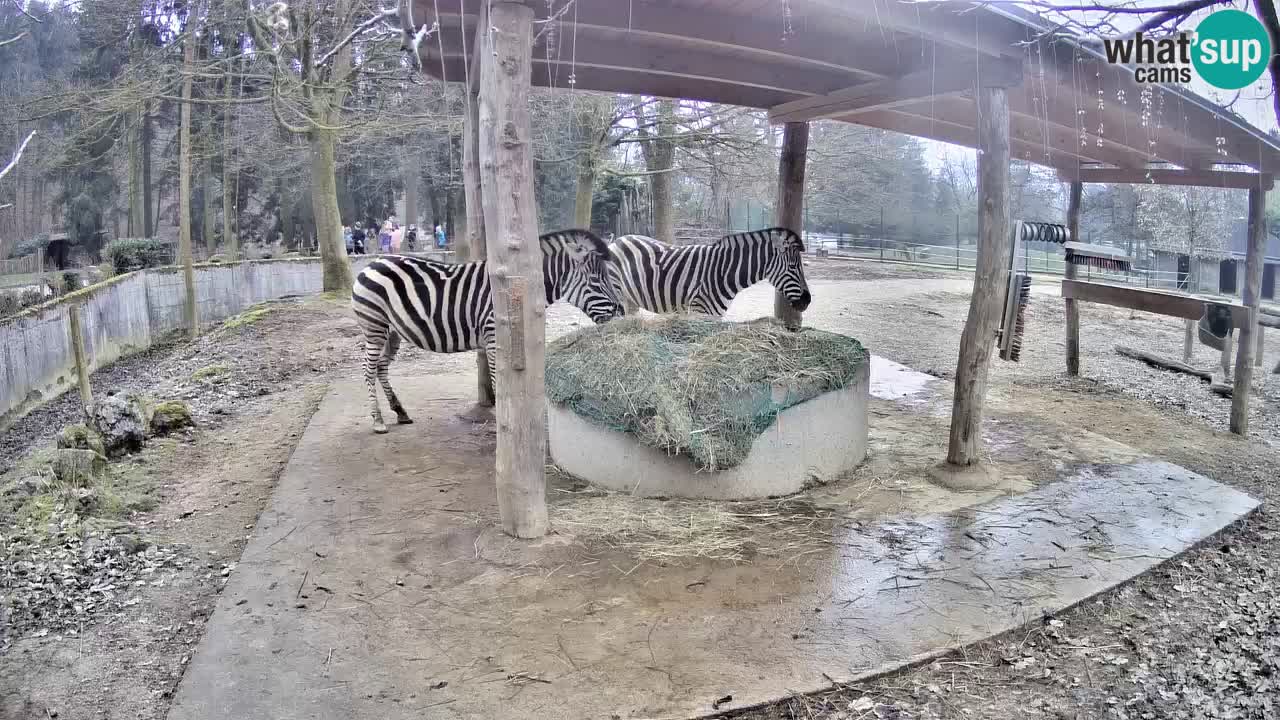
<point x="900" y="66"/>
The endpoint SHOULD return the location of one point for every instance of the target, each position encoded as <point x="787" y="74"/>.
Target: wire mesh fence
<point x="962" y="255"/>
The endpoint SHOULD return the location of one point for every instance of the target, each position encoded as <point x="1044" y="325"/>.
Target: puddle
<point x="895" y="381"/>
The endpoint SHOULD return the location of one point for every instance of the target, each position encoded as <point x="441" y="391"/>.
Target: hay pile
<point x="698" y="387"/>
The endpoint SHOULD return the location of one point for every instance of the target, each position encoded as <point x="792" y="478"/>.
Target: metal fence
<point x="964" y="256"/>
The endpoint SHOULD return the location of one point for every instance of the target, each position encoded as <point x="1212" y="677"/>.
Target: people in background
<point x="347" y="239"/>
<point x="397" y="238"/>
<point x="411" y="238"/>
<point x="384" y="237"/>
<point x="440" y="236"/>
<point x="357" y="239"/>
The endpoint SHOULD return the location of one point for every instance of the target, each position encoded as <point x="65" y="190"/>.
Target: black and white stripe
<point x="448" y="308"/>
<point x="664" y="278"/>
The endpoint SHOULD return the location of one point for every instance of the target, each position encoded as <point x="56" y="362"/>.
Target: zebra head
<point x="785" y="268"/>
<point x="575" y="268"/>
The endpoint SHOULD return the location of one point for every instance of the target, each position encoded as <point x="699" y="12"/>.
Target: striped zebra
<point x="704" y="278"/>
<point x="447" y="307"/>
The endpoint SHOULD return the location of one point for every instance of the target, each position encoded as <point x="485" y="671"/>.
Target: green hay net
<point x="697" y="387"/>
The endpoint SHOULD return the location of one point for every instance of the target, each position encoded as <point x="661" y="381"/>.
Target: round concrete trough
<point x="815" y="441"/>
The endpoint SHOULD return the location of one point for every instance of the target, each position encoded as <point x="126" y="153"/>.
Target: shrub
<point x="12" y="303"/>
<point x="70" y="281"/>
<point x="128" y="254"/>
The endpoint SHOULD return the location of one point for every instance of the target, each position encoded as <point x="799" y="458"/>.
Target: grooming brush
<point x="1013" y="324"/>
<point x="1098" y="256"/>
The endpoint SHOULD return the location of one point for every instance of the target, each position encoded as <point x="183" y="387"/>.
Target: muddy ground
<point x="1198" y="639"/>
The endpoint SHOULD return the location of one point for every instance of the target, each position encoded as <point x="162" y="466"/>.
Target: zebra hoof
<point x="380" y="429"/>
<point x="404" y="420"/>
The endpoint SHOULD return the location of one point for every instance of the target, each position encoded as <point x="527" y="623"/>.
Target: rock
<point x="170" y="415"/>
<point x="86" y="501"/>
<point x="132" y="545"/>
<point x="75" y="467"/>
<point x="81" y="437"/>
<point x="26" y="487"/>
<point x="122" y="423"/>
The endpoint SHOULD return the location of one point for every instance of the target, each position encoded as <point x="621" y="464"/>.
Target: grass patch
<point x="32" y="494"/>
<point x="209" y="372"/>
<point x="246" y="318"/>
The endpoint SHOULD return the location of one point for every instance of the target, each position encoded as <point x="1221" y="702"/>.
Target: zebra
<point x="704" y="278"/>
<point x="448" y="308"/>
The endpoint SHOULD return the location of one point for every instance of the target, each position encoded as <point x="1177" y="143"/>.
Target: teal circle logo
<point x="1231" y="49"/>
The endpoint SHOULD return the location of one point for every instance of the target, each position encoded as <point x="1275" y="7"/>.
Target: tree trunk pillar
<point x="184" y="190"/>
<point x="515" y="269"/>
<point x="965" y="443"/>
<point x="475" y="237"/>
<point x="1252" y="298"/>
<point x="790" y="203"/>
<point x="1069" y="272"/>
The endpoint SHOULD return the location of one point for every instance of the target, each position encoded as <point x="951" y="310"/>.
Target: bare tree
<point x="308" y="88"/>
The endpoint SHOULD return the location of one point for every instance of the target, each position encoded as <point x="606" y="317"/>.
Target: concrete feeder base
<point x="815" y="441"/>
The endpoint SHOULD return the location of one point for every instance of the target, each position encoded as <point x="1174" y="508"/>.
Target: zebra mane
<point x="766" y="232"/>
<point x="596" y="242"/>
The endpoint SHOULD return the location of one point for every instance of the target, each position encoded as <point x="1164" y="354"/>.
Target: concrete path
<point x="376" y="586"/>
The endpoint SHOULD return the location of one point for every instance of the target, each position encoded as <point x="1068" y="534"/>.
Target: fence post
<point x="77" y="348"/>
<point x="957" y="241"/>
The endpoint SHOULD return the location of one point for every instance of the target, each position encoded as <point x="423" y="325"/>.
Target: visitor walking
<point x="384" y="237"/>
<point x="441" y="239"/>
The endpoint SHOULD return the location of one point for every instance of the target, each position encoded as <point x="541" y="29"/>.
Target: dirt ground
<point x="1197" y="639"/>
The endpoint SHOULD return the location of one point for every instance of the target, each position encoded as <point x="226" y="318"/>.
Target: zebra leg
<point x="389" y="351"/>
<point x="372" y="357"/>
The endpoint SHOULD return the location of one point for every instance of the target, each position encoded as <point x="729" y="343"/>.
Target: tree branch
<point x="363" y="27"/>
<point x="14" y="39"/>
<point x="17" y="156"/>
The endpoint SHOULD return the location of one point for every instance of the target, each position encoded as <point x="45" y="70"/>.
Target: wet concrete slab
<point x="377" y="586"/>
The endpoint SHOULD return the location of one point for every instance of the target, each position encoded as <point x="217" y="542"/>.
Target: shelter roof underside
<point x="899" y="66"/>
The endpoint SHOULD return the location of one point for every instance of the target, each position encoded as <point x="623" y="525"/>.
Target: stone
<point x="75" y="467"/>
<point x="132" y="544"/>
<point x="28" y="486"/>
<point x="81" y="437"/>
<point x="122" y="423"/>
<point x="170" y="415"/>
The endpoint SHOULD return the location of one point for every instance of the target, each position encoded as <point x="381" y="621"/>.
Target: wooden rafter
<point x="1168" y="176"/>
<point x="896" y="91"/>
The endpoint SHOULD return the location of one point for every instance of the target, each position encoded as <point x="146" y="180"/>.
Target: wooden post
<point x="475" y="211"/>
<point x="790" y="212"/>
<point x="1257" y="352"/>
<point x="989" y="279"/>
<point x="184" y="190"/>
<point x="77" y="349"/>
<point x="1251" y="297"/>
<point x="1069" y="272"/>
<point x="515" y="268"/>
<point x="1189" y="341"/>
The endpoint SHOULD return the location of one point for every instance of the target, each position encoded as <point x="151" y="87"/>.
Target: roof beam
<point x="960" y="134"/>
<point x="623" y="53"/>
<point x="902" y="90"/>
<point x="945" y="25"/>
<point x="1039" y="130"/>
<point x="622" y="80"/>
<point x="692" y="28"/>
<point x="1166" y="176"/>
